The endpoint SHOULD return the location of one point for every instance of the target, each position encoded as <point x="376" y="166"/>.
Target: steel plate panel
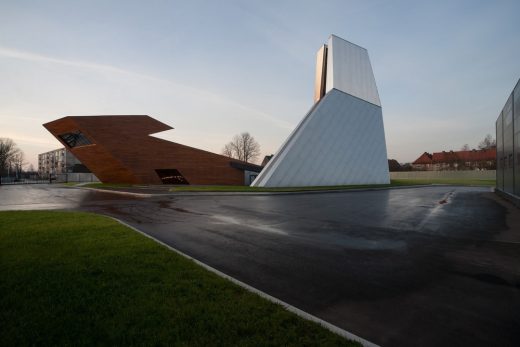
<point x="349" y="70"/>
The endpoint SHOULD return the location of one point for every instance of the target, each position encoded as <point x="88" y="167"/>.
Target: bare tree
<point x="228" y="150"/>
<point x="465" y="147"/>
<point x="250" y="148"/>
<point x="487" y="143"/>
<point x="18" y="162"/>
<point x="242" y="147"/>
<point x="8" y="153"/>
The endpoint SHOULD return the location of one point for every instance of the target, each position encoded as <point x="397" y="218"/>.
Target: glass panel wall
<point x="508" y="145"/>
<point x="516" y="124"/>
<point x="500" y="154"/>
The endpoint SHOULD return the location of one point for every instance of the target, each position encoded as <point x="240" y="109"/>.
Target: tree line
<point x="488" y="143"/>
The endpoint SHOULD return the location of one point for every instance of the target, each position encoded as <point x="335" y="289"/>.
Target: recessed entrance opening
<point x="171" y="176"/>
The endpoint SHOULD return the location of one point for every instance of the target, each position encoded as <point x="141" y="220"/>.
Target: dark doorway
<point x="171" y="176"/>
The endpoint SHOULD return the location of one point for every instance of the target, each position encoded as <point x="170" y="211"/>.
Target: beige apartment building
<point x="58" y="161"/>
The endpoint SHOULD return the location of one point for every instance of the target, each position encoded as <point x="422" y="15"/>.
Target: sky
<point x="213" y="69"/>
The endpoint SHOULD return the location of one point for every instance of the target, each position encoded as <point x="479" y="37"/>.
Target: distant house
<point x="482" y="159"/>
<point x="393" y="165"/>
<point x="266" y="160"/>
<point x="424" y="162"/>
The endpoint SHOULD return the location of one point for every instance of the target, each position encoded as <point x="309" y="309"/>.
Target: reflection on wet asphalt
<point x="49" y="197"/>
<point x="416" y="266"/>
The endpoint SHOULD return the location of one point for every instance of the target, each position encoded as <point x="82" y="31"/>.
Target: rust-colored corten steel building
<point x="118" y="149"/>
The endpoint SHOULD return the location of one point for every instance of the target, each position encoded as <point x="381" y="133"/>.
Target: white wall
<point x="470" y="175"/>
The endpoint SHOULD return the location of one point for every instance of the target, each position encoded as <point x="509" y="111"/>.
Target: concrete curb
<point x="335" y="329"/>
<point x="310" y="191"/>
<point x="139" y="195"/>
<point x="202" y="193"/>
<point x="509" y="197"/>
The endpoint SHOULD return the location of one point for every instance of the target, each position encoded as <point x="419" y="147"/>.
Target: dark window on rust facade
<point x="76" y="139"/>
<point x="171" y="176"/>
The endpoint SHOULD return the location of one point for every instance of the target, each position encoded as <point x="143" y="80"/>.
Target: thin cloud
<point x="204" y="94"/>
<point x="31" y="140"/>
<point x="29" y="56"/>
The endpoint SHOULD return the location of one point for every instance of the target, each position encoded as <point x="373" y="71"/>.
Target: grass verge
<point x="70" y="184"/>
<point x="70" y="278"/>
<point x="393" y="183"/>
<point x="215" y="188"/>
<point x="458" y="182"/>
<point x="190" y="188"/>
<point x="109" y="185"/>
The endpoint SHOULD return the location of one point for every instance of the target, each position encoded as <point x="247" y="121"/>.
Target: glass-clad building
<point x="508" y="146"/>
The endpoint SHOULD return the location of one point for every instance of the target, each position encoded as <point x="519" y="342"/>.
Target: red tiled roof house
<point x="482" y="159"/>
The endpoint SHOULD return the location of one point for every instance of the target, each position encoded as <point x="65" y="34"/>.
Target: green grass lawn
<point x="393" y="183"/>
<point x="193" y="188"/>
<point x="214" y="188"/>
<point x="459" y="182"/>
<point x="70" y="184"/>
<point x="108" y="185"/>
<point x="70" y="278"/>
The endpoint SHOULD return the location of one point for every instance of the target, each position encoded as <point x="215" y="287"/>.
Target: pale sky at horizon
<point x="211" y="70"/>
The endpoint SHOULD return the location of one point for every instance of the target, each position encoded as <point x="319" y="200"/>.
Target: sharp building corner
<point x="341" y="140"/>
<point x="508" y="147"/>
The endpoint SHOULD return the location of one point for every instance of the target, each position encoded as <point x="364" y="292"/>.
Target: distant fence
<point x="76" y="177"/>
<point x="59" y="178"/>
<point x="426" y="175"/>
<point x="14" y="180"/>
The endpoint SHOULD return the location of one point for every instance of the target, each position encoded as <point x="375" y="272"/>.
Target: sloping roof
<point x="478" y="155"/>
<point x="266" y="159"/>
<point x="444" y="157"/>
<point x="452" y="156"/>
<point x="393" y="165"/>
<point x="425" y="158"/>
<point x="241" y="165"/>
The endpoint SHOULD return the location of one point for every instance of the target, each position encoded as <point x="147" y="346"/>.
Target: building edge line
<point x="300" y="313"/>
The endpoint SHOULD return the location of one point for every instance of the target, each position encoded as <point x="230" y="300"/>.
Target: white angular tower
<point x="341" y="140"/>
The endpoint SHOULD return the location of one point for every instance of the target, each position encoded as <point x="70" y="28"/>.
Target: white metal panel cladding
<point x="349" y="70"/>
<point x="341" y="141"/>
<point x="500" y="153"/>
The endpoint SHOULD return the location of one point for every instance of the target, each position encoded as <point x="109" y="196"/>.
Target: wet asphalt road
<point x="402" y="267"/>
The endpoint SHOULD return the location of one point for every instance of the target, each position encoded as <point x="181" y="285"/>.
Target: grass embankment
<point x="110" y="185"/>
<point x="457" y="182"/>
<point x="190" y="188"/>
<point x="393" y="183"/>
<point x="70" y="184"/>
<point x="82" y="279"/>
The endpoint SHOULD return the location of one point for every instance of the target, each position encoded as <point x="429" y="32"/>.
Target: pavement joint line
<point x="300" y="313"/>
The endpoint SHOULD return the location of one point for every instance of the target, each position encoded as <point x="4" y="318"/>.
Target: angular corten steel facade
<point x="118" y="149"/>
